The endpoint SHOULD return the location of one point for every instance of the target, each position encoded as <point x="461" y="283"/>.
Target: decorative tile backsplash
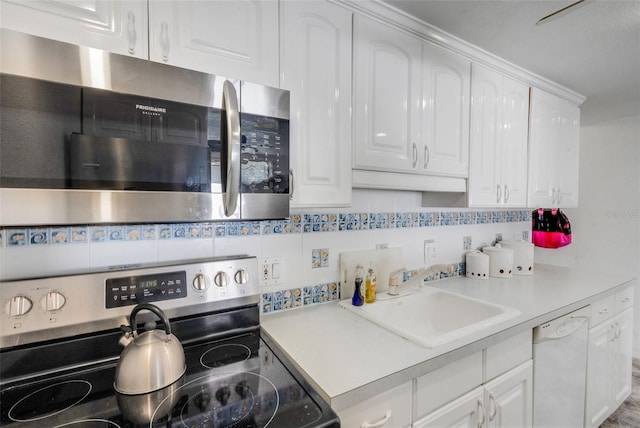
<point x="297" y="223"/>
<point x="153" y="237"/>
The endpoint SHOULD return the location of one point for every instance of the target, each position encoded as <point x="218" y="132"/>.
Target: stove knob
<point x="223" y="394"/>
<point x="18" y="305"/>
<point x="202" y="400"/>
<point x="242" y="389"/>
<point x="241" y="277"/>
<point x="221" y="279"/>
<point x="53" y="301"/>
<point x="201" y="282"/>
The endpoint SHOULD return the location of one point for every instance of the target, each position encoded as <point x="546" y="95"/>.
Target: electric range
<point x="60" y="349"/>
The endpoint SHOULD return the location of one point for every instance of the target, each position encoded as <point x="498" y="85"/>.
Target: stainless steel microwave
<point x="91" y="137"/>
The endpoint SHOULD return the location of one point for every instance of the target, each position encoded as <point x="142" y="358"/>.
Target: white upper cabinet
<point x="498" y="147"/>
<point x="236" y="39"/>
<point x="315" y="57"/>
<point x="387" y="86"/>
<point x="553" y="151"/>
<point x="410" y="110"/>
<point x="445" y="107"/>
<point x="112" y="25"/>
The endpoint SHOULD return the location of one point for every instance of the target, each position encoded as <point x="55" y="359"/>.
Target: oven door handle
<point x="232" y="114"/>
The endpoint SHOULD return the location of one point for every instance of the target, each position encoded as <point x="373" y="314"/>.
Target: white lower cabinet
<point x="508" y="399"/>
<point x="491" y="388"/>
<point x="609" y="356"/>
<point x="462" y="412"/>
<point x="504" y="402"/>
<point x="391" y="409"/>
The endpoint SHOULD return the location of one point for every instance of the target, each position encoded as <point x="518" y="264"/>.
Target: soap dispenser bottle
<point x="358" y="298"/>
<point x="370" y="286"/>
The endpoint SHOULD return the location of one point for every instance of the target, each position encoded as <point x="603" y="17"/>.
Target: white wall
<point x="606" y="226"/>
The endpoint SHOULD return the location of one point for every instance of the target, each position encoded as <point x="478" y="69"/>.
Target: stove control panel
<point x="131" y="290"/>
<point x="50" y="308"/>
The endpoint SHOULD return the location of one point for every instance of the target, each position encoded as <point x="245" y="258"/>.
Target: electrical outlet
<point x="430" y="251"/>
<point x="271" y="270"/>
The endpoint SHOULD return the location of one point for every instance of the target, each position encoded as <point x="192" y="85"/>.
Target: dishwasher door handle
<point x="551" y="331"/>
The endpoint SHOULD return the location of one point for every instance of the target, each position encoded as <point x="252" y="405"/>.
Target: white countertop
<point x="348" y="359"/>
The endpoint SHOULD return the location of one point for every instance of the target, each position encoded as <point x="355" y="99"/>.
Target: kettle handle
<point x="149" y="307"/>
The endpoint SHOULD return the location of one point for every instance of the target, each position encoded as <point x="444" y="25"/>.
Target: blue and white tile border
<point x="297" y="223"/>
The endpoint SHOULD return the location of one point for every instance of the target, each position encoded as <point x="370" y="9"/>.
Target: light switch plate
<point x="430" y="251"/>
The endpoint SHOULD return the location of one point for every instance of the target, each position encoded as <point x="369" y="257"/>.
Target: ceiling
<point x="593" y="50"/>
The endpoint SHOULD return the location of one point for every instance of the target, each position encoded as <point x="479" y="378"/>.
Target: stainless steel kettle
<point x="151" y="360"/>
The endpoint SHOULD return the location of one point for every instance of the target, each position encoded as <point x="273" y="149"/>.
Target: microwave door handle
<point x="230" y="105"/>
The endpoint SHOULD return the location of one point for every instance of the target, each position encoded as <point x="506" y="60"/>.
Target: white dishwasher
<point x="559" y="370"/>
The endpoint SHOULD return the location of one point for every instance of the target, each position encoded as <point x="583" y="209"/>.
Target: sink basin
<point x="432" y="317"/>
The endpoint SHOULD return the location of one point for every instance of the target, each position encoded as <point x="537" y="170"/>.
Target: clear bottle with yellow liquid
<point x="370" y="286"/>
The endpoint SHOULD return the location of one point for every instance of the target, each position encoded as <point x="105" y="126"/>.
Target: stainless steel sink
<point x="432" y="317"/>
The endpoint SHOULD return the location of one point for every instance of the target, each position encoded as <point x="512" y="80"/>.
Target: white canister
<point x="477" y="265"/>
<point x="522" y="256"/>
<point x="500" y="261"/>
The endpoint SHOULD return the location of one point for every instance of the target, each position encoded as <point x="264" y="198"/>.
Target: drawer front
<point x="445" y="384"/>
<point x="502" y="357"/>
<point x="602" y="310"/>
<point x="391" y="409"/>
<point x="624" y="299"/>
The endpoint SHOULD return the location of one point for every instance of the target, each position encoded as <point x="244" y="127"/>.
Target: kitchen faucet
<point x="395" y="281"/>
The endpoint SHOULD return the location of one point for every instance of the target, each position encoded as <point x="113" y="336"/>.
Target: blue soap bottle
<point x="358" y="297"/>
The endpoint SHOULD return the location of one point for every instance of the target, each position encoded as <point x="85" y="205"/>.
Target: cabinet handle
<point x="427" y="156"/>
<point x="131" y="31"/>
<point x="615" y="332"/>
<point x="618" y="330"/>
<point x="493" y="408"/>
<point x="164" y="40"/>
<point x="482" y="419"/>
<point x="603" y="311"/>
<point x="415" y="155"/>
<point x="625" y="300"/>
<point x="559" y="196"/>
<point x="506" y="193"/>
<point x="378" y="424"/>
<point x="291" y="188"/>
<point x="498" y="193"/>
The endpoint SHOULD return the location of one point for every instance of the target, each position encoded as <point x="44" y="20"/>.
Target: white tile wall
<point x="394" y="219"/>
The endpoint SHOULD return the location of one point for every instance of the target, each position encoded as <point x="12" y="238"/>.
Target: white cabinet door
<point x="621" y="380"/>
<point x="118" y="26"/>
<point x="597" y="406"/>
<point x="509" y="398"/>
<point x="391" y="409"/>
<point x="236" y="39"/>
<point x="316" y="67"/>
<point x="515" y="138"/>
<point x="609" y="359"/>
<point x="568" y="156"/>
<point x="445" y="123"/>
<point x="499" y="135"/>
<point x="467" y="411"/>
<point x="387" y="66"/>
<point x="553" y="151"/>
<point x="485" y="188"/>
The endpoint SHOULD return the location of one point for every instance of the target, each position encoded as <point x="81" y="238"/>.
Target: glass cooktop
<point x="235" y="382"/>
